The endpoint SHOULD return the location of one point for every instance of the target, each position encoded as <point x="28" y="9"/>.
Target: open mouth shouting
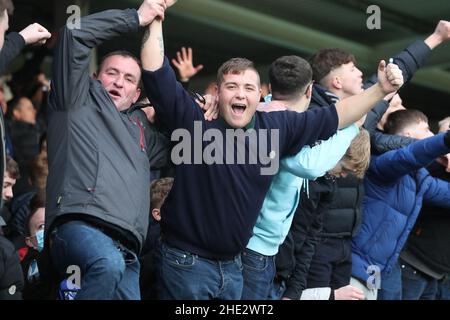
<point x="238" y="109"/>
<point x="115" y="95"/>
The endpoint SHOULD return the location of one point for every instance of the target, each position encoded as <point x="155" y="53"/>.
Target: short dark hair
<point x="399" y="120"/>
<point x="289" y="75"/>
<point x="12" y="168"/>
<point x="38" y="201"/>
<point x="159" y="190"/>
<point x="234" y="66"/>
<point x="122" y="53"/>
<point x="6" y="5"/>
<point x="325" y="60"/>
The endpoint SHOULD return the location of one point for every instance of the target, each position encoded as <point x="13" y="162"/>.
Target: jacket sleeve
<point x="394" y="164"/>
<point x="306" y="128"/>
<point x="173" y="105"/>
<point x="313" y="162"/>
<point x="72" y="56"/>
<point x="375" y="115"/>
<point x="382" y="142"/>
<point x="14" y="43"/>
<point x="438" y="193"/>
<point x="159" y="149"/>
<point x="412" y="58"/>
<point x="409" y="61"/>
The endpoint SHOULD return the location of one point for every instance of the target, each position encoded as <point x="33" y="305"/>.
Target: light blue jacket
<point x="280" y="203"/>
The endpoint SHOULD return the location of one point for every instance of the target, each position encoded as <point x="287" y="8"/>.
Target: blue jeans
<point x="186" y="276"/>
<point x="416" y="285"/>
<point x="443" y="291"/>
<point x="278" y="289"/>
<point x="108" y="269"/>
<point x="391" y="284"/>
<point x="259" y="271"/>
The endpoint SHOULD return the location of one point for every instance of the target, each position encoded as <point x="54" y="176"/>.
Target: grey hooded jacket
<point x="98" y="163"/>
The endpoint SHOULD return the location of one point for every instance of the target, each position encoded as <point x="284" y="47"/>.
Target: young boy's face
<point x="37" y="222"/>
<point x="342" y="169"/>
<point x="8" y="183"/>
<point x="350" y="79"/>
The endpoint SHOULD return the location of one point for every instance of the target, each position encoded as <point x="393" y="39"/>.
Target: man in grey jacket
<point x="99" y="172"/>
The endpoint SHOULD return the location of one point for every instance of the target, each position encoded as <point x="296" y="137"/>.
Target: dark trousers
<point x="331" y="265"/>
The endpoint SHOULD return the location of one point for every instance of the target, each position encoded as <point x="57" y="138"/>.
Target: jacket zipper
<point x="141" y="134"/>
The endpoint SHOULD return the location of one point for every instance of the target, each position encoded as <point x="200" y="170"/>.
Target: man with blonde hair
<point x="313" y="257"/>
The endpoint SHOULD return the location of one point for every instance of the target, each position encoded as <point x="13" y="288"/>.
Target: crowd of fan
<point x="357" y="210"/>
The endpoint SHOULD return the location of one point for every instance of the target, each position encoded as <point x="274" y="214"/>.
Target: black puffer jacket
<point x="343" y="215"/>
<point x="11" y="277"/>
<point x="295" y="254"/>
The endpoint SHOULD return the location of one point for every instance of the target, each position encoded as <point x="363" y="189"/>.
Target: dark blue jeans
<point x="391" y="284"/>
<point x="259" y="271"/>
<point x="443" y="291"/>
<point x="416" y="285"/>
<point x="277" y="290"/>
<point x="108" y="269"/>
<point x="186" y="276"/>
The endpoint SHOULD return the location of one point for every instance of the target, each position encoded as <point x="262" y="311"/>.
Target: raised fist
<point x="35" y="33"/>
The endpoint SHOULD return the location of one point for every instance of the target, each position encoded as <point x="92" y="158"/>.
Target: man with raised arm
<point x="99" y="172"/>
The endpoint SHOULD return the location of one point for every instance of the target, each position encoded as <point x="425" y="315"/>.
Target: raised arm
<point x="313" y="162"/>
<point x="416" y="54"/>
<point x="438" y="193"/>
<point x="397" y="163"/>
<point x="184" y="63"/>
<point x="409" y="61"/>
<point x="173" y="105"/>
<point x="152" y="51"/>
<point x="441" y="34"/>
<point x="351" y="109"/>
<point x="72" y="55"/>
<point x="15" y="42"/>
